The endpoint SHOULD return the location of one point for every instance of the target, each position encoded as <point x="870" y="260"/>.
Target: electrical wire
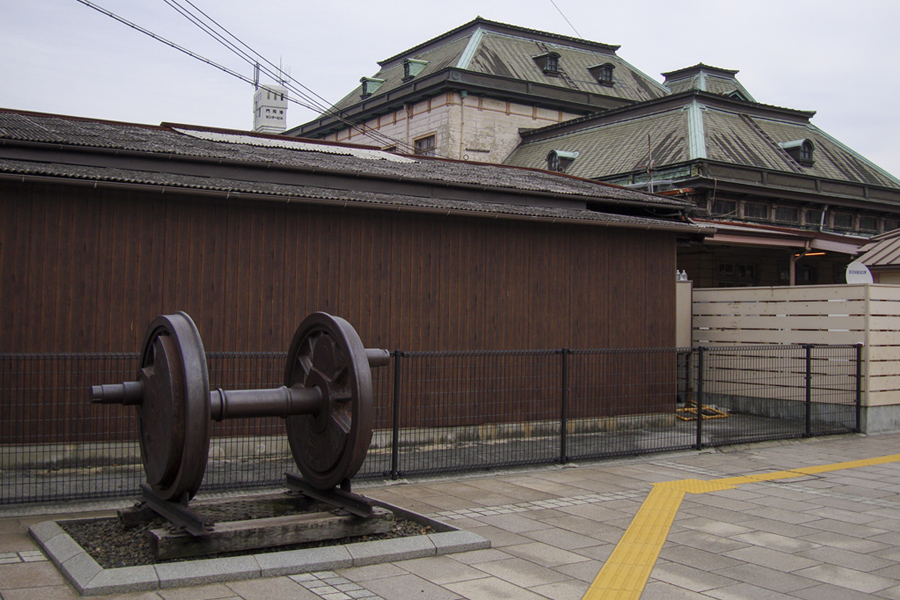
<point x="565" y="17"/>
<point x="307" y="102"/>
<point x="253" y="57"/>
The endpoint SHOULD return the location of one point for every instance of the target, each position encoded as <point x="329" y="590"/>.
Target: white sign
<point x="858" y="273"/>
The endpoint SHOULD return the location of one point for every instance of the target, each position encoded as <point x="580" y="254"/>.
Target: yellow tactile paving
<point x="628" y="568"/>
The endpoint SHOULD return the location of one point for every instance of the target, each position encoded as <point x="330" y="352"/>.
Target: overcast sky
<point x="836" y="57"/>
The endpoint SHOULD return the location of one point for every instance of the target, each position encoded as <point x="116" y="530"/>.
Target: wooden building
<point x="105" y="225"/>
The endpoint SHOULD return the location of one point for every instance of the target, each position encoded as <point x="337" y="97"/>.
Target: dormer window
<point x="412" y="67"/>
<point x="800" y="150"/>
<point x="603" y="73"/>
<point x="370" y="85"/>
<point x="559" y="160"/>
<point x="549" y="63"/>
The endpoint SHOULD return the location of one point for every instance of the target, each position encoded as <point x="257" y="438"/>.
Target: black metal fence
<point x="436" y="412"/>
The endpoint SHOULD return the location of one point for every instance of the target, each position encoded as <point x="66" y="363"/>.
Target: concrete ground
<point x="815" y="519"/>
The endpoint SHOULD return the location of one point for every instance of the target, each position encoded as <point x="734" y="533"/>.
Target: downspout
<point x="793" y="268"/>
<point x="462" y="124"/>
<point x="409" y="113"/>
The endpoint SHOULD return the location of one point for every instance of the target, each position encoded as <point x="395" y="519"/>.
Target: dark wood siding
<point x="85" y="270"/>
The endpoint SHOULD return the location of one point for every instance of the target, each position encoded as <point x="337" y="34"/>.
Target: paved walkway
<point x="816" y="519"/>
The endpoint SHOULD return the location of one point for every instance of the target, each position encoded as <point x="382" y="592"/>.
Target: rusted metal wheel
<point x="329" y="446"/>
<point x="174" y="415"/>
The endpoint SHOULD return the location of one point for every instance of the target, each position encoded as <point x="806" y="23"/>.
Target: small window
<point x="559" y="160"/>
<point x="841" y="220"/>
<point x="812" y="217"/>
<point x="370" y="85"/>
<point x="799" y="150"/>
<point x="549" y="63"/>
<point x="424" y="146"/>
<point x="412" y="67"/>
<point x="868" y="224"/>
<point x="787" y="214"/>
<point x="724" y="208"/>
<point x="756" y="210"/>
<point x="603" y="73"/>
<point x="891" y="224"/>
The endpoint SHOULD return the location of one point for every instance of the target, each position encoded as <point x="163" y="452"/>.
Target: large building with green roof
<point x="790" y="204"/>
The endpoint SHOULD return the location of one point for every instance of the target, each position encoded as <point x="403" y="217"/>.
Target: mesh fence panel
<point x="434" y="412"/>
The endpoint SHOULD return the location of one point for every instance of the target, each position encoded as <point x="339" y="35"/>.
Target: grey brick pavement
<point x="830" y="535"/>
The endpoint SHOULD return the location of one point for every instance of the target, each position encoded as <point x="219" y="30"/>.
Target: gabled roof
<point x="222" y="162"/>
<point x="506" y="51"/>
<point x="697" y="126"/>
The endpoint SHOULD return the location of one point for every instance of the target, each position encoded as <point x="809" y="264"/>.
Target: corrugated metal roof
<point x="882" y="250"/>
<point x="293" y="144"/>
<point x="254" y="150"/>
<point x="342" y="197"/>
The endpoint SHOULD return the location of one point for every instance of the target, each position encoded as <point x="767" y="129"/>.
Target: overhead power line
<point x="565" y="17"/>
<point x="310" y="100"/>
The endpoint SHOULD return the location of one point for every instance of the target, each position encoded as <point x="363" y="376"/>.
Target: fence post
<point x="395" y="420"/>
<point x="859" y="348"/>
<point x="564" y="409"/>
<point x="808" y="431"/>
<point x="701" y="353"/>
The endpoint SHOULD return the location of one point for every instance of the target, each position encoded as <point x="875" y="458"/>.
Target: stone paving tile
<point x="409" y="587"/>
<point x="329" y="585"/>
<point x="891" y="593"/>
<point x="780" y="528"/>
<point x="600" y="552"/>
<point x="491" y="588"/>
<point x="706" y="542"/>
<point x="774" y="541"/>
<point x="212" y="591"/>
<point x="561" y="538"/>
<point x="845" y="558"/>
<point x="546" y="555"/>
<point x="585" y="571"/>
<point x="281" y="588"/>
<point x="707" y="561"/>
<point x="512" y="522"/>
<point x="847" y="542"/>
<point x="499" y="537"/>
<point x="847" y="578"/>
<point x="56" y="592"/>
<point x="440" y="570"/>
<point x="780" y="514"/>
<point x="520" y="572"/>
<point x="712" y="527"/>
<point x="765" y="578"/>
<point x="29" y="575"/>
<point x="863" y="531"/>
<point x="845" y="515"/>
<point x="690" y="578"/>
<point x="563" y="590"/>
<point x="832" y="592"/>
<point x="772" y="559"/>
<point x="661" y="590"/>
<point x="745" y="591"/>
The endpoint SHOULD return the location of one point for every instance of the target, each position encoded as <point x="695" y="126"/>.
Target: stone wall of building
<point x="465" y="128"/>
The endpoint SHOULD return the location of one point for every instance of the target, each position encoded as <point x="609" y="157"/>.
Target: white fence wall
<point x="827" y="314"/>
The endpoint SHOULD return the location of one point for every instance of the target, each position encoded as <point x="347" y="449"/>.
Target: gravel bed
<point x="113" y="545"/>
